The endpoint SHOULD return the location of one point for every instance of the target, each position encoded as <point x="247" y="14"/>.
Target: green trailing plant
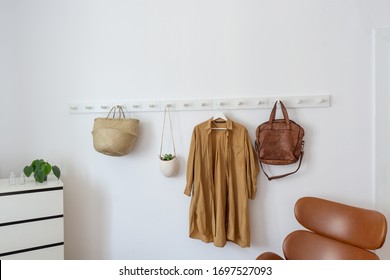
<point x="167" y="157"/>
<point x="41" y="169"/>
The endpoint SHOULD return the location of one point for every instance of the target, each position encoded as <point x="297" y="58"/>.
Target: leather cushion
<point x="356" y="226"/>
<point x="306" y="245"/>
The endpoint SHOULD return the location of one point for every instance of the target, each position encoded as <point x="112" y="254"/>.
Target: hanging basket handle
<point x="162" y="135"/>
<point x="113" y="111"/>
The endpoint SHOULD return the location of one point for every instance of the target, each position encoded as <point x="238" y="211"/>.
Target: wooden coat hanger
<point x="219" y="115"/>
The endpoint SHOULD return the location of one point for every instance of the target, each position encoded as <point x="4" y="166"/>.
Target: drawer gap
<point x="31" y="249"/>
<point x="31" y="220"/>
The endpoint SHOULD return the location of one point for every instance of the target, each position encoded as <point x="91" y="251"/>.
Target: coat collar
<point x="229" y="124"/>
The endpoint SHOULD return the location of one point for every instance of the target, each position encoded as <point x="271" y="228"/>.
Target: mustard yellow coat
<point x="222" y="171"/>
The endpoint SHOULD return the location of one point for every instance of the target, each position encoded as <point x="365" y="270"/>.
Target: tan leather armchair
<point x="335" y="232"/>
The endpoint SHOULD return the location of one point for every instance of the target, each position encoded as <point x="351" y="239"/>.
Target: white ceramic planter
<point x="169" y="168"/>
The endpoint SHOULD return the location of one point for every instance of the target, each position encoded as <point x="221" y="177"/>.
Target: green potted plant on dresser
<point x="41" y="169"/>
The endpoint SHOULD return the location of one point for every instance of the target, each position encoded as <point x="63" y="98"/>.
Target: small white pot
<point x="169" y="168"/>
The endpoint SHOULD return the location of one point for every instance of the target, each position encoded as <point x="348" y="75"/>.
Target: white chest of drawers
<point x="31" y="220"/>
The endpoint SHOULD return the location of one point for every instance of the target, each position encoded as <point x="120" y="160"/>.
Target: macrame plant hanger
<point x="168" y="162"/>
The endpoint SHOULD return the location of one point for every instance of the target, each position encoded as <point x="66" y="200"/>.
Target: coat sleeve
<point x="190" y="165"/>
<point x="252" y="167"/>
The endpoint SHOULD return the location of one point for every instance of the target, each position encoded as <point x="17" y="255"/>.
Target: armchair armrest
<point x="269" y="256"/>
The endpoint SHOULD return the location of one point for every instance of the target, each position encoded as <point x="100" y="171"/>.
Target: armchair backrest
<point x="336" y="231"/>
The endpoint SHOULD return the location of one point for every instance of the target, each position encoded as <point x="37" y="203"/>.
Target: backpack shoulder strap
<point x="283" y="175"/>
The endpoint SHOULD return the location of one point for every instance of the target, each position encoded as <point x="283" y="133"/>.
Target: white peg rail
<point x="203" y="104"/>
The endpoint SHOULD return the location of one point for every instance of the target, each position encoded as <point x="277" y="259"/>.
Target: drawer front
<point x="26" y="206"/>
<point x="19" y="237"/>
<point x="52" y="253"/>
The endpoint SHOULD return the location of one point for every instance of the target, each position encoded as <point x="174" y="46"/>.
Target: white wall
<point x="9" y="102"/>
<point x="122" y="208"/>
<point x="382" y="121"/>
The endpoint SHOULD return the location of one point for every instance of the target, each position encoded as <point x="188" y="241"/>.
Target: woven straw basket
<point x="115" y="137"/>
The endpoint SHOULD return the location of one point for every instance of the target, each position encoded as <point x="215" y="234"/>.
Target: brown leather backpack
<point x="279" y="142"/>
